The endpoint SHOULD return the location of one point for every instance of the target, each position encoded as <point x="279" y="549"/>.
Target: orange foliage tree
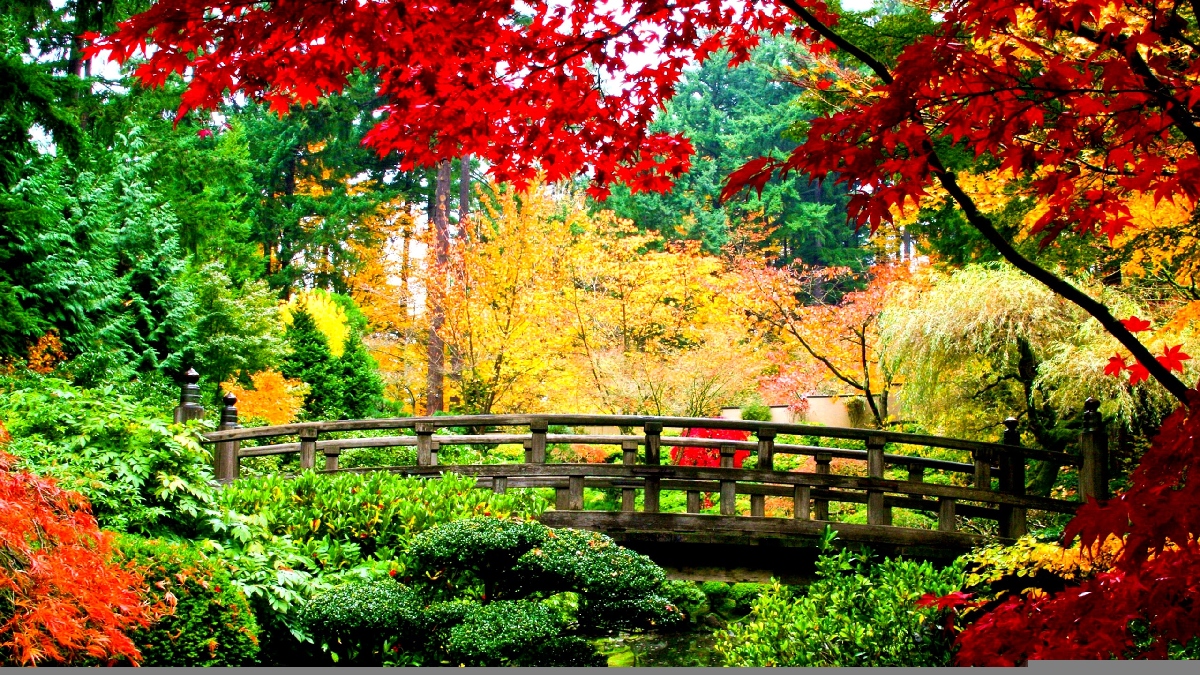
<point x="841" y="335"/>
<point x="271" y="397"/>
<point x="61" y="599"/>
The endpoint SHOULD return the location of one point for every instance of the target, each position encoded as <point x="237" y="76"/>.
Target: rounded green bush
<point x="355" y="619"/>
<point x="210" y="622"/>
<point x="516" y="633"/>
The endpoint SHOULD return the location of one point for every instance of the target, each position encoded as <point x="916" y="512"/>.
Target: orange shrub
<point x="272" y="397"/>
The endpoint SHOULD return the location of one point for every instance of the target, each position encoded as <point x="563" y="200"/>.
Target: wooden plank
<point x="500" y="485"/>
<point x="537" y="447"/>
<point x="693" y="501"/>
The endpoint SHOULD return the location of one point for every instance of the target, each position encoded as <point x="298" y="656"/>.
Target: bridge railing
<point x="996" y="474"/>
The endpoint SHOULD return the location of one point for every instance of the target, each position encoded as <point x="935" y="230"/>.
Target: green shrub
<point x="516" y="633"/>
<point x="210" y="621"/>
<point x="141" y="473"/>
<point x="354" y="620"/>
<point x="756" y="411"/>
<point x="857" y="612"/>
<point x="688" y="596"/>
<point x="376" y="512"/>
<point x="475" y="550"/>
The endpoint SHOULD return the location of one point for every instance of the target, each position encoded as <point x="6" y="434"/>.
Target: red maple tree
<point x="687" y="455"/>
<point x="65" y="602"/>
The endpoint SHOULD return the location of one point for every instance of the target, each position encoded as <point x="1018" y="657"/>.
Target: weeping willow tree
<point x="986" y="342"/>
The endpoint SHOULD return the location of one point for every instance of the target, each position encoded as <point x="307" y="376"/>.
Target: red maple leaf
<point x="1173" y="358"/>
<point x="1138" y="373"/>
<point x="1136" y="325"/>
<point x="204" y="133"/>
<point x="1115" y="365"/>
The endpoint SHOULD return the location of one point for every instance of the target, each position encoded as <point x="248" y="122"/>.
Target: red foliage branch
<point x="557" y="86"/>
<point x="693" y="456"/>
<point x="63" y="600"/>
<point x="1156" y="578"/>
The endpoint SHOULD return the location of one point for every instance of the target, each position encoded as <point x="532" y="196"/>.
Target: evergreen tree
<point x="309" y="359"/>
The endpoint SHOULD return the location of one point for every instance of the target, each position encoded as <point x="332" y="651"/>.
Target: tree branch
<point x="985" y="227"/>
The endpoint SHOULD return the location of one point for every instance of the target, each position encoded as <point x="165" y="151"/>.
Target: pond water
<point x="689" y="648"/>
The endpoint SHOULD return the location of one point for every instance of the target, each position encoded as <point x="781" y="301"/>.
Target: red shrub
<point x="68" y="602"/>
<point x="692" y="456"/>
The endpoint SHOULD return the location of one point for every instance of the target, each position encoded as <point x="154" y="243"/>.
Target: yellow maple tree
<point x="271" y="397"/>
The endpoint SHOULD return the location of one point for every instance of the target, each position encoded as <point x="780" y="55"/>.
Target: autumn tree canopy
<point x="1086" y="103"/>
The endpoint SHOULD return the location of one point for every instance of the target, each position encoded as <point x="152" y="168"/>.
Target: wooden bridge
<point x="732" y="545"/>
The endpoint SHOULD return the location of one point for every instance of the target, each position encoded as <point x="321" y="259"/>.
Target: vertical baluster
<point x="562" y="499"/>
<point x="628" y="458"/>
<point x="308" y="449"/>
<point x="1093" y="445"/>
<point x="528" y="445"/>
<point x="1012" y="480"/>
<point x="424" y="432"/>
<point x="537" y="429"/>
<point x="983" y="468"/>
<point x="434" y="446"/>
<point x="875" y="509"/>
<point x="766" y="460"/>
<point x="228" y="464"/>
<point x="653" y="483"/>
<point x="946" y="521"/>
<point x="821" y="506"/>
<point x="728" y="487"/>
<point x="189" y="407"/>
<point x="693" y="501"/>
<point x="332" y="457"/>
<point x="500" y="484"/>
<point x="800" y="502"/>
<point x="575" y="493"/>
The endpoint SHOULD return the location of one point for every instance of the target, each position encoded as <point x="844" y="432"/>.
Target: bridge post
<point x="728" y="487"/>
<point x="537" y="429"/>
<point x="877" y="513"/>
<point x="653" y="483"/>
<point x="1093" y="445"/>
<point x="500" y="484"/>
<point x="227" y="451"/>
<point x="766" y="460"/>
<point x="189" y="407"/>
<point x="628" y="458"/>
<point x="983" y="468"/>
<point x="424" y="443"/>
<point x="946" y="520"/>
<point x="308" y="449"/>
<point x="800" y="505"/>
<point x="693" y="501"/>
<point x="821" y="506"/>
<point x="331" y="458"/>
<point x="434" y="446"/>
<point x="1012" y="480"/>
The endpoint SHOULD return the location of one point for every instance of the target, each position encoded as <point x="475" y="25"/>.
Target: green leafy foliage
<point x="355" y="619"/>
<point x="475" y="550"/>
<point x="516" y="633"/>
<point x="208" y="622"/>
<point x="858" y="612"/>
<point x="140" y="473"/>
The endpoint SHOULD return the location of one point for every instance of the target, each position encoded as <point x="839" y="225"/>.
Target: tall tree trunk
<point x="464" y="194"/>
<point x="440" y="219"/>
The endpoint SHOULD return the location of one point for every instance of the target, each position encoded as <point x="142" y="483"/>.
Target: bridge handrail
<point x="598" y="439"/>
<point x="437" y="422"/>
<point x="811" y="492"/>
